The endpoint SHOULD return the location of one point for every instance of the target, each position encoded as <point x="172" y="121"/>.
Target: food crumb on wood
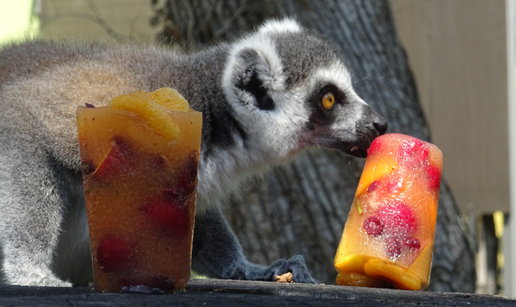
<point x="287" y="277"/>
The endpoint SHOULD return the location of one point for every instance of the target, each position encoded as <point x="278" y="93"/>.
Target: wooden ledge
<point x="212" y="292"/>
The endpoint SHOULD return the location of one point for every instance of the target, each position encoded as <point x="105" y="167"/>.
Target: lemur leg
<point x="217" y="253"/>
<point x="32" y="210"/>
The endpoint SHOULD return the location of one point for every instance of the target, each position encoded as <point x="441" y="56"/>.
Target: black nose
<point x="381" y="126"/>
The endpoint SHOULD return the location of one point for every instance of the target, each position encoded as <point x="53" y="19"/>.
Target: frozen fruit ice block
<point x="388" y="237"/>
<point x="139" y="160"/>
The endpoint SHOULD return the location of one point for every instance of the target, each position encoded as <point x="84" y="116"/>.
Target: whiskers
<point x="369" y="80"/>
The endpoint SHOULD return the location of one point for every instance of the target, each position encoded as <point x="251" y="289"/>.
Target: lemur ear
<point x="253" y="80"/>
<point x="250" y="78"/>
<point x="253" y="71"/>
<point x="280" y="26"/>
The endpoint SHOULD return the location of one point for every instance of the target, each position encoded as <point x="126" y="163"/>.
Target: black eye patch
<point x="340" y="97"/>
<point x="320" y="115"/>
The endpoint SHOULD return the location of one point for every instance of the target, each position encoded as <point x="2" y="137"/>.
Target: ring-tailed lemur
<point x="264" y="98"/>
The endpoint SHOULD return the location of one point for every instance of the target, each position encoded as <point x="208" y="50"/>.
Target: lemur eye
<point x="328" y="100"/>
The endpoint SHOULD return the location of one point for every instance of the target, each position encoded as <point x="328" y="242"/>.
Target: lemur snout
<point x="375" y="122"/>
<point x="381" y="126"/>
<point x="368" y="128"/>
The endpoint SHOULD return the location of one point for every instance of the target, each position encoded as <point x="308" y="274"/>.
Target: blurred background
<point x="461" y="55"/>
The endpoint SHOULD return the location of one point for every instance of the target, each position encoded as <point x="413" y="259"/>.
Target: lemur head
<point x="291" y="90"/>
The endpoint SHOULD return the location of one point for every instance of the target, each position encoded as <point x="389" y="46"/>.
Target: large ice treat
<point x="139" y="164"/>
<point x="389" y="235"/>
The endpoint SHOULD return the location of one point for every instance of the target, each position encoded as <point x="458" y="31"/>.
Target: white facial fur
<point x="338" y="74"/>
<point x="278" y="26"/>
<point x="272" y="135"/>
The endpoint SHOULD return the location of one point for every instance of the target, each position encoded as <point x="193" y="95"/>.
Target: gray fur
<point x="43" y="227"/>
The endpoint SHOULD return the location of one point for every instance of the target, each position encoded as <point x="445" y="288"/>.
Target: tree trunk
<point x="301" y="207"/>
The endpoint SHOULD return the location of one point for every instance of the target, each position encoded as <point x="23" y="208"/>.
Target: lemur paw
<point x="51" y="282"/>
<point x="296" y="265"/>
<point x="36" y="277"/>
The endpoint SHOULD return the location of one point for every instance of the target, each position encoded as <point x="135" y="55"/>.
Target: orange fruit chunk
<point x="400" y="277"/>
<point x="153" y="113"/>
<point x="374" y="171"/>
<point x="359" y="280"/>
<point x="354" y="263"/>
<point x="170" y="99"/>
<point x="423" y="264"/>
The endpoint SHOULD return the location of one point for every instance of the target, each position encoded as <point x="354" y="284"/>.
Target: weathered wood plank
<point x="210" y="292"/>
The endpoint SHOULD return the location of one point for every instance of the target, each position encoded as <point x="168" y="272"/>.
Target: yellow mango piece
<point x="401" y="278"/>
<point x="153" y="113"/>
<point x="423" y="263"/>
<point x="141" y="93"/>
<point x="374" y="171"/>
<point x="354" y="263"/>
<point x="170" y="99"/>
<point x="359" y="280"/>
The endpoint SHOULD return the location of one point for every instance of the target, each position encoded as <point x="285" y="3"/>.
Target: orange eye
<point x="328" y="100"/>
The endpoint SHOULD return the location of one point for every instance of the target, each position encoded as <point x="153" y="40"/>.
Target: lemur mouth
<point x="358" y="148"/>
<point x="364" y="140"/>
<point x="354" y="144"/>
<point x="356" y="151"/>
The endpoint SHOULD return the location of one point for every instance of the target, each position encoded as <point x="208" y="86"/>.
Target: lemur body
<point x="261" y="104"/>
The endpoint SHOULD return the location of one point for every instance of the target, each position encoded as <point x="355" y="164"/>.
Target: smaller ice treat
<point x="139" y="163"/>
<point x="388" y="237"/>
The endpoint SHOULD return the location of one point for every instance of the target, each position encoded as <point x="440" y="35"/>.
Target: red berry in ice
<point x="183" y="186"/>
<point x="375" y="147"/>
<point x="118" y="158"/>
<point x="393" y="185"/>
<point x="373" y="186"/>
<point x="393" y="247"/>
<point x="170" y="215"/>
<point x="114" y="253"/>
<point x="413" y="152"/>
<point x="373" y="226"/>
<point x="185" y="182"/>
<point x="157" y="162"/>
<point x="398" y="219"/>
<point x="412" y="243"/>
<point x="434" y="177"/>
